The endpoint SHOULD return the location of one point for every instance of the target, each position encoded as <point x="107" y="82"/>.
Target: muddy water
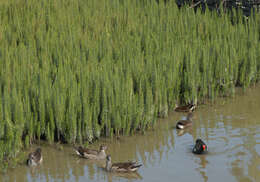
<point x="231" y="129"/>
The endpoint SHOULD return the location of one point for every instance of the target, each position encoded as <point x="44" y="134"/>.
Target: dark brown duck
<point x="187" y="108"/>
<point x="182" y="124"/>
<point x="121" y="167"/>
<point x="34" y="158"/>
<point x="92" y="153"/>
<point x="200" y="147"/>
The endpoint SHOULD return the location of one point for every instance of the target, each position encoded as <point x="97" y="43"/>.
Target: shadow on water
<point x="230" y="128"/>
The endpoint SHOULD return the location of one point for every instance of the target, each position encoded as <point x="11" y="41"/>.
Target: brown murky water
<point x="231" y="129"/>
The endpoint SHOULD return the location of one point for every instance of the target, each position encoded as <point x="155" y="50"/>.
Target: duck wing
<point x="184" y="122"/>
<point x="91" y="151"/>
<point x="126" y="166"/>
<point x="197" y="149"/>
<point x="82" y="151"/>
<point x="123" y="164"/>
<point x="35" y="156"/>
<point x="187" y="108"/>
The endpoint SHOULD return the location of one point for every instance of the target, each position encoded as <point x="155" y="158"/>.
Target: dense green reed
<point x="73" y="71"/>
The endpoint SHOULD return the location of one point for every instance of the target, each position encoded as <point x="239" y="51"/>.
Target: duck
<point x="91" y="153"/>
<point x="121" y="167"/>
<point x="183" y="124"/>
<point x="186" y="108"/>
<point x="200" y="147"/>
<point x="35" y="158"/>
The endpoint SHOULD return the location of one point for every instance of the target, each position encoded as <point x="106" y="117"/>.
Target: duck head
<point x="108" y="157"/>
<point x="103" y="147"/>
<point x="39" y="150"/>
<point x="108" y="163"/>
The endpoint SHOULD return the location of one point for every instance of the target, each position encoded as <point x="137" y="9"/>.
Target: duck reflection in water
<point x="133" y="176"/>
<point x="184" y="131"/>
<point x="202" y="167"/>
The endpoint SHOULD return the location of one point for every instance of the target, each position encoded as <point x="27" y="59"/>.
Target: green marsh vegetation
<point x="74" y="71"/>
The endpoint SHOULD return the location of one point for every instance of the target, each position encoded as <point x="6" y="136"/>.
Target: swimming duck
<point x="200" y="147"/>
<point x="121" y="167"/>
<point x="182" y="124"/>
<point x="91" y="153"/>
<point x="187" y="108"/>
<point x="34" y="158"/>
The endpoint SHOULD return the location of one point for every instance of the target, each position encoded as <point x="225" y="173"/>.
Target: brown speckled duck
<point x="91" y="153"/>
<point x="121" y="167"/>
<point x="187" y="108"/>
<point x="182" y="124"/>
<point x="34" y="158"/>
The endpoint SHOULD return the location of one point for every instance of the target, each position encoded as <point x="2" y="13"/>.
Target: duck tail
<point x="179" y="126"/>
<point x="29" y="162"/>
<point x="135" y="167"/>
<point x="138" y="165"/>
<point x="192" y="107"/>
<point x="77" y="151"/>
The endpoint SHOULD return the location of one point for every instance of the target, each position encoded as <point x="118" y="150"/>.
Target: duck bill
<point x="204" y="147"/>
